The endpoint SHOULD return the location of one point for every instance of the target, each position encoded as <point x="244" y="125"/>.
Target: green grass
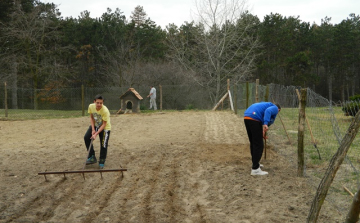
<point x="30" y="114"/>
<point x="320" y="121"/>
<point x="25" y="114"/>
<point x="322" y="128"/>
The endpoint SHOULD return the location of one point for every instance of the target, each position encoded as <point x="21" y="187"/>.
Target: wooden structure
<point x="130" y="102"/>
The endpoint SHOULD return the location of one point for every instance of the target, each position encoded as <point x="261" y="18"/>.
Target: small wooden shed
<point x="130" y="101"/>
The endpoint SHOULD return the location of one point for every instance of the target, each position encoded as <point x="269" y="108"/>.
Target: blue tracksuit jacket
<point x="265" y="112"/>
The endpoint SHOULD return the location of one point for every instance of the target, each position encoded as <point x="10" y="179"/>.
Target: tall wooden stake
<point x="6" y="105"/>
<point x="247" y="94"/>
<point x="301" y="130"/>
<point x="287" y="134"/>
<point x="160" y="97"/>
<point x="257" y="90"/>
<point x="308" y="125"/>
<point x="267" y="93"/>
<point x="82" y="100"/>
<point x="228" y="90"/>
<point x="235" y="99"/>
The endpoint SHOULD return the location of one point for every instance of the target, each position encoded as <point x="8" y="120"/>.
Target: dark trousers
<point x="255" y="133"/>
<point x="104" y="136"/>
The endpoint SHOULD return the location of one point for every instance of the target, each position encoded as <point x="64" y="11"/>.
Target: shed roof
<point x="132" y="90"/>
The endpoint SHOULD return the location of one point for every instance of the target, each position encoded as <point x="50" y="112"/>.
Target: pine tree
<point x="138" y="16"/>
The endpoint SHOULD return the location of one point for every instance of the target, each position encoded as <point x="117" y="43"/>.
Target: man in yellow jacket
<point x="100" y="125"/>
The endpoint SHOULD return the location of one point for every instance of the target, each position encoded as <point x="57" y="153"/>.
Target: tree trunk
<point x="14" y="98"/>
<point x="218" y="82"/>
<point x="329" y="75"/>
<point x="333" y="167"/>
<point x="353" y="215"/>
<point x="301" y="130"/>
<point x="330" y="87"/>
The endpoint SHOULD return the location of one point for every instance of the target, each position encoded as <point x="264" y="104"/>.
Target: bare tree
<point x="25" y="41"/>
<point x="222" y="44"/>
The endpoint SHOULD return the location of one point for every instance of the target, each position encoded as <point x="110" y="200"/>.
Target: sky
<point x="163" y="12"/>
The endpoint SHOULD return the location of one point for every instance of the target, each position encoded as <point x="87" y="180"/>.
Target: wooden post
<point x="257" y="90"/>
<point x="221" y="100"/>
<point x="278" y="115"/>
<point x="247" y="94"/>
<point x="82" y="100"/>
<point x="265" y="146"/>
<point x="347" y="190"/>
<point x="353" y="215"/>
<point x="231" y="101"/>
<point x="235" y="99"/>
<point x="308" y="125"/>
<point x="6" y="105"/>
<point x="267" y="93"/>
<point x="287" y="134"/>
<point x="333" y="167"/>
<point x="160" y="97"/>
<point x="228" y="90"/>
<point x="301" y="130"/>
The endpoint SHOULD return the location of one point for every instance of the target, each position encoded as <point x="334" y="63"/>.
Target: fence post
<point x="247" y="95"/>
<point x="267" y="93"/>
<point x="301" y="130"/>
<point x="228" y="88"/>
<point x="6" y="105"/>
<point x="256" y="90"/>
<point x="160" y="97"/>
<point x="82" y="101"/>
<point x="235" y="99"/>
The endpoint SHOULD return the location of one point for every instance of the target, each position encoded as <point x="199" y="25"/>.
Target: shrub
<point x="351" y="108"/>
<point x="355" y="97"/>
<point x="142" y="107"/>
<point x="190" y="107"/>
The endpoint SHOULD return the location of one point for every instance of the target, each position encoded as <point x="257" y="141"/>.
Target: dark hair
<point x="98" y="96"/>
<point x="277" y="105"/>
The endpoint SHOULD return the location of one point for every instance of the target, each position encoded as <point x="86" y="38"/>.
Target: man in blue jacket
<point x="258" y="117"/>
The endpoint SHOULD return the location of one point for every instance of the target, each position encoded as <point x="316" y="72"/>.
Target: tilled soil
<point x="181" y="167"/>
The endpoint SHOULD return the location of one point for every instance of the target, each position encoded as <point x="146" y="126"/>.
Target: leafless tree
<point x="24" y="43"/>
<point x="220" y="45"/>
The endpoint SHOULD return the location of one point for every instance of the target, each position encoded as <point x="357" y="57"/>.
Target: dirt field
<point x="182" y="167"/>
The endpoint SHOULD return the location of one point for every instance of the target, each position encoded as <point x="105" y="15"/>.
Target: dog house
<point x="130" y="101"/>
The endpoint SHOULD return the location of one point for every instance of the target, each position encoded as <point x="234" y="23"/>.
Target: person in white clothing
<point x="152" y="96"/>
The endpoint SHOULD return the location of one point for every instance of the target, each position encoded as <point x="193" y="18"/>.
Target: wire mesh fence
<point x="327" y="125"/>
<point x="328" y="121"/>
<point x="73" y="102"/>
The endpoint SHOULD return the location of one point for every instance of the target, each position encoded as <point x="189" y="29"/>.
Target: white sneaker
<point x="258" y="171"/>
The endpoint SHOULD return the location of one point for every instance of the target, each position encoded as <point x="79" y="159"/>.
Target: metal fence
<point x="328" y="123"/>
<point x="21" y="104"/>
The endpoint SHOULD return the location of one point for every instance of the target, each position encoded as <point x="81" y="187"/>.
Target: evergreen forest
<point x="40" y="49"/>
